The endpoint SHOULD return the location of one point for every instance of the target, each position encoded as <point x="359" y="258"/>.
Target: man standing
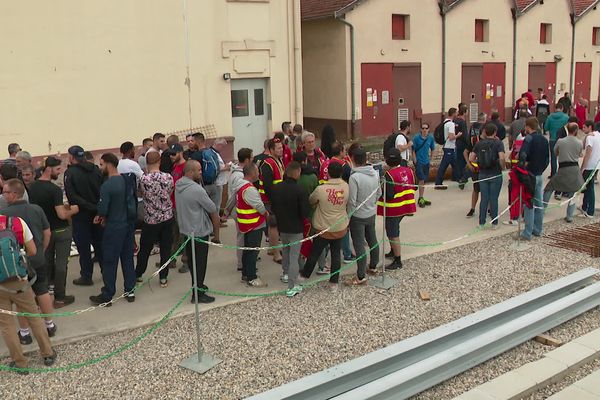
<point x="589" y="168"/>
<point x="82" y="187"/>
<point x="566" y="103"/>
<point x="35" y="218"/>
<point x="271" y="174"/>
<point x="500" y="128"/>
<point x="23" y="160"/>
<point x="117" y="211"/>
<point x="330" y="201"/>
<point x="209" y="163"/>
<point x="403" y="142"/>
<point x="157" y="188"/>
<point x="290" y="205"/>
<point x="236" y="181"/>
<point x="15" y="292"/>
<point x="197" y="216"/>
<point x="338" y="155"/>
<point x="13" y="149"/>
<point x="517" y="127"/>
<point x="191" y="146"/>
<point x="314" y="156"/>
<point x="364" y="181"/>
<point x="159" y="143"/>
<point x="223" y="176"/>
<point x="449" y="158"/>
<point x="49" y="197"/>
<point x="567" y="179"/>
<point x="475" y="134"/>
<point x="28" y="176"/>
<point x="534" y="155"/>
<point x="146" y="145"/>
<point x="127" y="165"/>
<point x="555" y="122"/>
<point x="177" y="157"/>
<point x="399" y="201"/>
<point x="166" y="164"/>
<point x="251" y="219"/>
<point x="460" y="124"/>
<point x="489" y="154"/>
<point x="423" y="147"/>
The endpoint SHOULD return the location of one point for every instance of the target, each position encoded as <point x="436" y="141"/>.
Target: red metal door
<point x="493" y="87"/>
<point x="583" y="80"/>
<point x="542" y="75"/>
<point x="472" y="76"/>
<point x="550" y="88"/>
<point x="377" y="108"/>
<point x="407" y="94"/>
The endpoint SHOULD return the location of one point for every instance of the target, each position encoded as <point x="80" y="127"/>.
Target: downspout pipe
<point x="298" y="94"/>
<point x="515" y="15"/>
<point x="352" y="74"/>
<point x="443" y="12"/>
<point x="572" y="79"/>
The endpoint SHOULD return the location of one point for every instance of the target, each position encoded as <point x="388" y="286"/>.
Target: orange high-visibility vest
<point x="248" y="218"/>
<point x="277" y="167"/>
<point x="404" y="202"/>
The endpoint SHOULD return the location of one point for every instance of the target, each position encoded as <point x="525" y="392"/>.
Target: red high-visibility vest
<point x="278" y="171"/>
<point x="248" y="218"/>
<point x="324" y="172"/>
<point x="404" y="202"/>
<point x="514" y="155"/>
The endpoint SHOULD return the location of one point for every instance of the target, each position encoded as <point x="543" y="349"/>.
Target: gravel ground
<point x="567" y="381"/>
<point x="275" y="340"/>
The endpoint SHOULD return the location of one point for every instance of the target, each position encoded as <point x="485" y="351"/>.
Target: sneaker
<point x="461" y="185"/>
<point x="350" y="259"/>
<point x="13" y="364"/>
<point x="49" y="361"/>
<point x="471" y="213"/>
<point x="516" y="236"/>
<point x="83" y="282"/>
<point x="333" y="287"/>
<point x="427" y="202"/>
<point x="586" y="215"/>
<point x="421" y="202"/>
<point x="202" y="299"/>
<point x="139" y="279"/>
<point x="284" y="278"/>
<point x="25" y="339"/>
<point x="396" y="264"/>
<point x="257" y="283"/>
<point x="97" y="300"/>
<point x="51" y="290"/>
<point x="390" y="254"/>
<point x="51" y="330"/>
<point x="512" y="222"/>
<point x="558" y="196"/>
<point x="130" y="297"/>
<point x="324" y="271"/>
<point x="441" y="187"/>
<point x="65" y="301"/>
<point x="569" y="220"/>
<point x="244" y="279"/>
<point x="184" y="269"/>
<point x="291" y="292"/>
<point x="372" y="271"/>
<point x="163" y="283"/>
<point x="356" y="281"/>
<point x="495" y="227"/>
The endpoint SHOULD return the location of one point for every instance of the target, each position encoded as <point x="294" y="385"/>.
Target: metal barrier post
<point x="383" y="282"/>
<point x="520" y="245"/>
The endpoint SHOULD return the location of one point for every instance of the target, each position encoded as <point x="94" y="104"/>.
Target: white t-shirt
<point x="127" y="166"/>
<point x="449" y="127"/>
<point x="223" y="176"/>
<point x="593" y="141"/>
<point x="401" y="141"/>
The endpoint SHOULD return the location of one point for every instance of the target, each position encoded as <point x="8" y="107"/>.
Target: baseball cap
<point x="77" y="152"/>
<point x="51" y="161"/>
<point x="394" y="155"/>
<point x="176" y="148"/>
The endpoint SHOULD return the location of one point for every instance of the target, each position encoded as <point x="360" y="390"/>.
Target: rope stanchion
<point x="92" y="308"/>
<point x="104" y="357"/>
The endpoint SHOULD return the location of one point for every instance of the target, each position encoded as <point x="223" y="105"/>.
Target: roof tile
<point x="581" y="6"/>
<point x="322" y="8"/>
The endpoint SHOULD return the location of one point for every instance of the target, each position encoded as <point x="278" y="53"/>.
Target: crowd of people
<point x="306" y="203"/>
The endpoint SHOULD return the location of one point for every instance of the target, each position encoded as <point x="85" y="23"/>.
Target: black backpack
<point x="487" y="156"/>
<point x="389" y="143"/>
<point x="439" y="134"/>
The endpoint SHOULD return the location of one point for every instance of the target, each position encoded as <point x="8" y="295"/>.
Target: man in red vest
<point x="251" y="219"/>
<point x="339" y="156"/>
<point x="314" y="156"/>
<point x="399" y="201"/>
<point x="271" y="174"/>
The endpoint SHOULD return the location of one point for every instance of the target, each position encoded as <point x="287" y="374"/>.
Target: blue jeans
<point x="461" y="163"/>
<point x="570" y="206"/>
<point x="490" y="191"/>
<point x="117" y="245"/>
<point x="449" y="159"/>
<point x="346" y="249"/>
<point x="553" y="161"/>
<point x="589" y="195"/>
<point x="86" y="234"/>
<point x="534" y="217"/>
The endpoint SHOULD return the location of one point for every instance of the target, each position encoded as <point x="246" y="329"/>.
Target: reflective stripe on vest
<point x="404" y="201"/>
<point x="277" y="168"/>
<point x="248" y="218"/>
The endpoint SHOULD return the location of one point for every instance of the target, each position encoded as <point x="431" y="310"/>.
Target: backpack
<point x="438" y="134"/>
<point x="389" y="144"/>
<point x="131" y="202"/>
<point x="13" y="263"/>
<point x="487" y="156"/>
<point x="210" y="166"/>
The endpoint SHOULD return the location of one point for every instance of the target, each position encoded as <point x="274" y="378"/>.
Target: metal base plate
<point x="206" y="363"/>
<point x="520" y="246"/>
<point x="383" y="282"/>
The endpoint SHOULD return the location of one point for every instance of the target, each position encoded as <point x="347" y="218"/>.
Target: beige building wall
<point x="586" y="52"/>
<point x="97" y="73"/>
<point x="529" y="49"/>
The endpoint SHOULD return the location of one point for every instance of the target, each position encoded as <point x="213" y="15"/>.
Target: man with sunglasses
<point x="422" y="148"/>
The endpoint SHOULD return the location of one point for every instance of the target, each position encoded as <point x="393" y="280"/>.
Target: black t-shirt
<point x="498" y="147"/>
<point x="47" y="195"/>
<point x="474" y="135"/>
<point x="461" y="126"/>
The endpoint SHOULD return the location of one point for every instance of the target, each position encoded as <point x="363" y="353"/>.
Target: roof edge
<point x="346" y="9"/>
<point x="587" y="10"/>
<point x="527" y="8"/>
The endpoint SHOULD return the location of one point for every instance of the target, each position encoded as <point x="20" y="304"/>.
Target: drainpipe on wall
<point x="514" y="80"/>
<point x="352" y="73"/>
<point x="571" y="87"/>
<point x="443" y="12"/>
<point x="298" y="62"/>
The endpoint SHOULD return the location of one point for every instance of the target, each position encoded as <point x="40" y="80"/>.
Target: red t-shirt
<point x="177" y="174"/>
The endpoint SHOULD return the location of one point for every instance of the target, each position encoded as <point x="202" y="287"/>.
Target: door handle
<point x="248" y="126"/>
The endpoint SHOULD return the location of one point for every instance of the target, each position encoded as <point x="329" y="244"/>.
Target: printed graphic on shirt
<point x="335" y="196"/>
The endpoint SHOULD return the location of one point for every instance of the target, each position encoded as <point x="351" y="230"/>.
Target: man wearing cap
<point x="49" y="197"/>
<point x="166" y="165"/>
<point x="178" y="159"/>
<point x="82" y="187"/>
<point x="127" y="163"/>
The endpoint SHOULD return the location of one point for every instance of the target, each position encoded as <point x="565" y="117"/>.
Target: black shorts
<point x="392" y="227"/>
<point x="272" y="220"/>
<point x="40" y="285"/>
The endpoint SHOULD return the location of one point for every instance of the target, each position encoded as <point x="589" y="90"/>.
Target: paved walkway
<point x="444" y="220"/>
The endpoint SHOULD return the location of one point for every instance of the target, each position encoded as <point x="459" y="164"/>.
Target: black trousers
<point x="319" y="244"/>
<point x="201" y="260"/>
<point x="162" y="234"/>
